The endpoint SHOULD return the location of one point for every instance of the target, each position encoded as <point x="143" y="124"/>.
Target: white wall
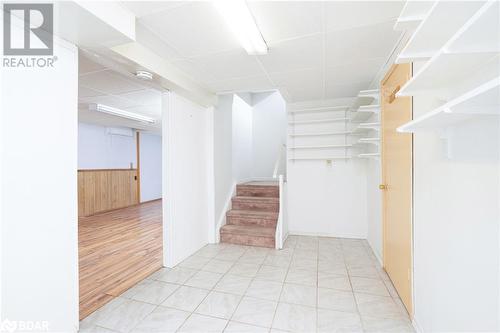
<point x="374" y="207"/>
<point x="241" y="140"/>
<point x="268" y="133"/>
<point x="223" y="159"/>
<point x="456" y="229"/>
<point x="99" y="149"/>
<point x="39" y="263"/>
<point x="327" y="200"/>
<point x="186" y="177"/>
<point x="151" y="165"/>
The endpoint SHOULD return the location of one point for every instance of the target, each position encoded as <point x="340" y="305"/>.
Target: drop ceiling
<point x="317" y="50"/>
<point x="98" y="84"/>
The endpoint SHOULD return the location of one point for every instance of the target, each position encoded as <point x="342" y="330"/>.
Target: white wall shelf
<point x="472" y="51"/>
<point x="318" y="121"/>
<point x="373" y="141"/>
<point x="319" y="110"/>
<point x="364" y="113"/>
<point x="319" y="158"/>
<point x="319" y="134"/>
<point x="373" y="94"/>
<point x="412" y="14"/>
<point x="368" y="126"/>
<point x="431" y="34"/>
<point x="483" y="100"/>
<point x="369" y="155"/>
<point x="322" y="147"/>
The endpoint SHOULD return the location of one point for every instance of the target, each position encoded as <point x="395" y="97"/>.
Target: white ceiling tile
<point x="229" y="65"/>
<point x="144" y="97"/>
<point x="86" y="65"/>
<point x="360" y="43"/>
<point x="87" y="92"/>
<point x="194" y="29"/>
<point x="249" y="84"/>
<point x="109" y="82"/>
<point x="301" y="85"/>
<point x="295" y="54"/>
<point x="191" y="69"/>
<point x="279" y="20"/>
<point x="142" y="8"/>
<point x="153" y="41"/>
<point x="344" y="90"/>
<point x="346" y="14"/>
<point x="148" y="110"/>
<point x="362" y="71"/>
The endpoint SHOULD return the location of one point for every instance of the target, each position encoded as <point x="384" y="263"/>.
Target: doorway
<point x="120" y="220"/>
<point x="397" y="176"/>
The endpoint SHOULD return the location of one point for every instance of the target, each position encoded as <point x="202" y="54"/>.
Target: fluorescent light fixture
<point x="121" y="113"/>
<point x="241" y="22"/>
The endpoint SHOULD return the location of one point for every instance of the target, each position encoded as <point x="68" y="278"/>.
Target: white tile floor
<point x="315" y="284"/>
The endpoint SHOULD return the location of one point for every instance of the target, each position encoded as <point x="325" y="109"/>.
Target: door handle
<point x="382" y="187"/>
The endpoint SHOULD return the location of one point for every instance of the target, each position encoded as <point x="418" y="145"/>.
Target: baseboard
<point x="222" y="218"/>
<point x="375" y="253"/>
<point x="322" y="234"/>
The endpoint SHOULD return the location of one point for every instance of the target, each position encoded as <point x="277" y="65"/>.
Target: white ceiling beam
<point x="169" y="76"/>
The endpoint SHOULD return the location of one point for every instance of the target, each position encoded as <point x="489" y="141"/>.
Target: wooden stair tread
<point x="252" y="213"/>
<point x="249" y="230"/>
<point x="257" y="199"/>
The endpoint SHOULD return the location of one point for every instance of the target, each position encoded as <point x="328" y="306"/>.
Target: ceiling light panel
<point x="242" y="24"/>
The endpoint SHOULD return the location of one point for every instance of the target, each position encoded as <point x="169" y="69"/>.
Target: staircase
<point x="252" y="219"/>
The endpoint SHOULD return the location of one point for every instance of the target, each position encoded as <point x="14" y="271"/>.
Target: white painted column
<point x="39" y="215"/>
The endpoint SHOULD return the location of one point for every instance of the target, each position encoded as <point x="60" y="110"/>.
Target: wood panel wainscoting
<point x="101" y="190"/>
<point x="117" y="249"/>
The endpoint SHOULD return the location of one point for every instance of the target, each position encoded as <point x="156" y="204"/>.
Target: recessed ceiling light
<point x="121" y="113"/>
<point x="241" y="22"/>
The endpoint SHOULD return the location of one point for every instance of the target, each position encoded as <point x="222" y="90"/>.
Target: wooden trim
<point x="97" y="170"/>
<point x="138" y="165"/>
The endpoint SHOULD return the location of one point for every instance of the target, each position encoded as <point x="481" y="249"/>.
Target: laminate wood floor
<point x="117" y="249"/>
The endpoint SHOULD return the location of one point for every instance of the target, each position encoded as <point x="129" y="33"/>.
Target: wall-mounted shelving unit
<point x="469" y="53"/>
<point x="319" y="110"/>
<point x="364" y="112"/>
<point x="370" y="141"/>
<point x="369" y="155"/>
<point x="483" y="100"/>
<point x="318" y="121"/>
<point x="431" y="33"/>
<point x="464" y="64"/>
<point x="412" y="14"/>
<point x="326" y="158"/>
<point x="322" y="147"/>
<point x="320" y="134"/>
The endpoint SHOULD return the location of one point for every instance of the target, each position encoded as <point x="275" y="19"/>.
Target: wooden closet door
<point x="397" y="182"/>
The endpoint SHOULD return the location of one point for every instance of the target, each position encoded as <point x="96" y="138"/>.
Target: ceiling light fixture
<point x="121" y="113"/>
<point x="242" y="24"/>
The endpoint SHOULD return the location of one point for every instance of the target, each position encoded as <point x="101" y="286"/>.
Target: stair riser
<point x="247" y="240"/>
<point x="260" y="206"/>
<point x="253" y="191"/>
<point x="261" y="222"/>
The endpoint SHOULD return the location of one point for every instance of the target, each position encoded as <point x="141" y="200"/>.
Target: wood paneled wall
<point x="106" y="189"/>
